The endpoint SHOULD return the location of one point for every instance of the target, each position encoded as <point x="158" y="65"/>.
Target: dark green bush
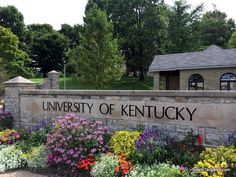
<point x="6" y="120"/>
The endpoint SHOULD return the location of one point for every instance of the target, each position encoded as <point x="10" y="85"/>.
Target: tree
<point x="72" y="32"/>
<point x="16" y="62"/>
<point x="183" y="27"/>
<point x="141" y="27"/>
<point x="215" y="28"/>
<point x="49" y="52"/>
<point x="98" y="58"/>
<point x="232" y="41"/>
<point x="11" y="18"/>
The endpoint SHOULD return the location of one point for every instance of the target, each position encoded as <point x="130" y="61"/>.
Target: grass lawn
<point x="125" y="83"/>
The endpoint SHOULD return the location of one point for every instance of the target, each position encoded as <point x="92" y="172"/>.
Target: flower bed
<point x="73" y="146"/>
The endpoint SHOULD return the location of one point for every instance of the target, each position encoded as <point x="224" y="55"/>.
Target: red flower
<point x="199" y="139"/>
<point x="124" y="166"/>
<point x="86" y="163"/>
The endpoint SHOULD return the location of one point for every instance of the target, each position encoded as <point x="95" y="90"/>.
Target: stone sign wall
<point x="209" y="113"/>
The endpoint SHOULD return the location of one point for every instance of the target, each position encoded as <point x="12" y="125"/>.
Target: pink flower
<point x="182" y="168"/>
<point x="71" y="151"/>
<point x="93" y="150"/>
<point x="50" y="156"/>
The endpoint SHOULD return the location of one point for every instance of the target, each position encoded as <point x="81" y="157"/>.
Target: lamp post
<point x="64" y="74"/>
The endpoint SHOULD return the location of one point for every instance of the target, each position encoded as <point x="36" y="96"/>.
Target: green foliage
<point x="232" y="41"/>
<point x="5" y="120"/>
<point x="183" y="27"/>
<point x="71" y="32"/>
<point x="37" y="158"/>
<point x="215" y="28"/>
<point x="185" y="152"/>
<point x="11" y="18"/>
<point x="141" y="27"/>
<point x="49" y="52"/>
<point x="10" y="158"/>
<point x="31" y="139"/>
<point x="158" y="170"/>
<point x="105" y="166"/>
<point x="124" y="142"/>
<point x="97" y="57"/>
<point x="15" y="61"/>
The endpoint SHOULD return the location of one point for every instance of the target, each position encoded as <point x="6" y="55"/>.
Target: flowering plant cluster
<point x="124" y="167"/>
<point x="86" y="163"/>
<point x="10" y="158"/>
<point x="73" y="139"/>
<point x="150" y="146"/>
<point x="46" y="124"/>
<point x="9" y="136"/>
<point x="158" y="170"/>
<point x="36" y="158"/>
<point x="186" y="152"/>
<point x="105" y="166"/>
<point x="6" y="120"/>
<point x="213" y="161"/>
<point x="124" y="141"/>
<point x="150" y="139"/>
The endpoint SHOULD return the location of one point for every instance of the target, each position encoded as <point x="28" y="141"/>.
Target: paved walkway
<point x="20" y="173"/>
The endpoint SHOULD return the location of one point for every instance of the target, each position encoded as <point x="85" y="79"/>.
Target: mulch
<point x="23" y="173"/>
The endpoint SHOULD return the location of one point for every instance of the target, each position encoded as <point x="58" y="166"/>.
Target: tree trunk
<point x="141" y="74"/>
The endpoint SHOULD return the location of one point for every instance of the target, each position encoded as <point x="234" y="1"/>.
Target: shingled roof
<point x="212" y="57"/>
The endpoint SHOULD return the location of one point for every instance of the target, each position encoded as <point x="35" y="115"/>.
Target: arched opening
<point x="196" y="82"/>
<point x="228" y="81"/>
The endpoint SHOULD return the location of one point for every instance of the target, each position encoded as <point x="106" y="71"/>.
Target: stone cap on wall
<point x="148" y="93"/>
<point x="19" y="80"/>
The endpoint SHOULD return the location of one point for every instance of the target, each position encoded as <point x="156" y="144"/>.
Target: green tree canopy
<point x="98" y="58"/>
<point x="141" y="27"/>
<point x="232" y="41"/>
<point x="72" y="32"/>
<point x="183" y="27"/>
<point x="215" y="28"/>
<point x="11" y="18"/>
<point x="16" y="62"/>
<point x="49" y="51"/>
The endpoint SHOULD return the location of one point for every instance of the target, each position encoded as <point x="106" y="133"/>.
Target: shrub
<point x="36" y="158"/>
<point x="124" y="142"/>
<point x="105" y="166"/>
<point x="213" y="161"/>
<point x="32" y="139"/>
<point x="5" y="120"/>
<point x="185" y="152"/>
<point x="73" y="139"/>
<point x="10" y="158"/>
<point x="150" y="147"/>
<point x="158" y="170"/>
<point x="34" y="136"/>
<point x="9" y="136"/>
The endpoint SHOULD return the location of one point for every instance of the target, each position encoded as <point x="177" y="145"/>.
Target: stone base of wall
<point x="211" y="136"/>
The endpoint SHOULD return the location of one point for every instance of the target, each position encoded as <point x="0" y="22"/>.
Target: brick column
<point x="12" y="96"/>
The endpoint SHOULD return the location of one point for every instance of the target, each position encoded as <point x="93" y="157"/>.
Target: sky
<point x="57" y="12"/>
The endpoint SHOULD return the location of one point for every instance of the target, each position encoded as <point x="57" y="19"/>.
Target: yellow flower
<point x="220" y="173"/>
<point x="224" y="164"/>
<point x="200" y="164"/>
<point x="204" y="173"/>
